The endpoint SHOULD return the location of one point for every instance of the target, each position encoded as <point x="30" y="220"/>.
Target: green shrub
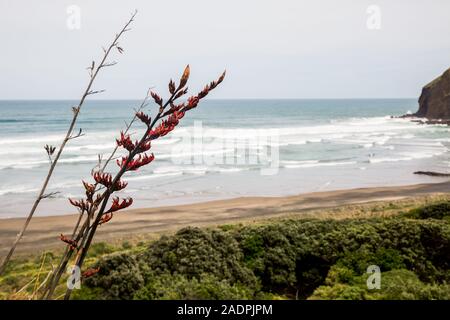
<point x="385" y="258"/>
<point x="88" y="293"/>
<point x="338" y="291"/>
<point x="395" y="285"/>
<point x="405" y="285"/>
<point x="126" y="245"/>
<point x="290" y="258"/>
<point x="168" y="286"/>
<point x="439" y="211"/>
<point x="193" y="252"/>
<point x="120" y="275"/>
<point x="99" y="249"/>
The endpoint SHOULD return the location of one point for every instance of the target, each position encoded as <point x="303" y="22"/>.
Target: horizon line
<point x="138" y="99"/>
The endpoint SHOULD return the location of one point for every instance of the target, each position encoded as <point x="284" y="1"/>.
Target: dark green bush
<point x="395" y="285"/>
<point x="439" y="210"/>
<point x="358" y="260"/>
<point x="193" y="252"/>
<point x="100" y="248"/>
<point x="119" y="277"/>
<point x="168" y="286"/>
<point x="292" y="258"/>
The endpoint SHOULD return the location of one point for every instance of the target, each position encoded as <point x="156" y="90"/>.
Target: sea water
<point x="311" y="145"/>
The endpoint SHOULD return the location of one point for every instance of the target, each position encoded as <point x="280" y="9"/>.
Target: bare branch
<point x="76" y="111"/>
<point x="79" y="134"/>
<point x="91" y="92"/>
<point x="108" y="64"/>
<point x="50" y="195"/>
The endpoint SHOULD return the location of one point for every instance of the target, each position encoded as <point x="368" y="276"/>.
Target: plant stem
<point x="86" y="243"/>
<point x="68" y="136"/>
<point x="68" y="253"/>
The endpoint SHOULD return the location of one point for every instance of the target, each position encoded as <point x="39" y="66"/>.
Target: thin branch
<point x="109" y="64"/>
<point x="50" y="195"/>
<point x="79" y="134"/>
<point x="95" y="91"/>
<point x="76" y="111"/>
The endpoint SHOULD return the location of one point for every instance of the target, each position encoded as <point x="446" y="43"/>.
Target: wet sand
<point x="43" y="232"/>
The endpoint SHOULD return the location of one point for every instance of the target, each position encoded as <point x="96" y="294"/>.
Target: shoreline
<point x="43" y="232"/>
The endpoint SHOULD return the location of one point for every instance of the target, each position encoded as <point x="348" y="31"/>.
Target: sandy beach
<point x="43" y="232"/>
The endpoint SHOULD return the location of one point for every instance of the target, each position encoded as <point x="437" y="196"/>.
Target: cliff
<point x="434" y="102"/>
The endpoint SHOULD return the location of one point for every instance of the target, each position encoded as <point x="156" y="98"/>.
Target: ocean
<point x="223" y="149"/>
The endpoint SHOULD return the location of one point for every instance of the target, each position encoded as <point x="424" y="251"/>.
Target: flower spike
<point x="125" y="142"/>
<point x="105" y="218"/>
<point x="144" y="118"/>
<point x="171" y="87"/>
<point x="90" y="272"/>
<point x="157" y="98"/>
<point x="184" y="77"/>
<point x="117" y="205"/>
<point x="81" y="204"/>
<point x="106" y="180"/>
<point x="72" y="243"/>
<point x="135" y="164"/>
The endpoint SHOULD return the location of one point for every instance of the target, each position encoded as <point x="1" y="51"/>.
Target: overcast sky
<point x="271" y="49"/>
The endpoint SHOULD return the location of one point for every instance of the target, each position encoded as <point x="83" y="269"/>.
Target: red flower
<point x="72" y="243"/>
<point x="204" y="92"/>
<point x="106" y="180"/>
<point x="171" y="87"/>
<point x="160" y="131"/>
<point x="125" y="141"/>
<point x="214" y="84"/>
<point x="103" y="178"/>
<point x="105" y="218"/>
<point x="192" y="102"/>
<point x="178" y="115"/>
<point x="184" y="77"/>
<point x="144" y="146"/>
<point x="135" y="164"/>
<point x="176" y="107"/>
<point x="81" y="204"/>
<point x="166" y="125"/>
<point x="117" y="205"/>
<point x="144" y="118"/>
<point x="90" y="189"/>
<point x="157" y="98"/>
<point x="90" y="272"/>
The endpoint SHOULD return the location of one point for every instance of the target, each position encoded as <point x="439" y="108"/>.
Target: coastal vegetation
<point x="320" y="256"/>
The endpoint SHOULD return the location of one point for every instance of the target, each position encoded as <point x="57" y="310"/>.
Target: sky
<point x="270" y="49"/>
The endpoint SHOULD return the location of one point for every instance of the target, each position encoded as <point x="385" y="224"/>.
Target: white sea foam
<point x="17" y="189"/>
<point x="153" y="176"/>
<point x="32" y="139"/>
<point x="318" y="164"/>
<point x="380" y="160"/>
